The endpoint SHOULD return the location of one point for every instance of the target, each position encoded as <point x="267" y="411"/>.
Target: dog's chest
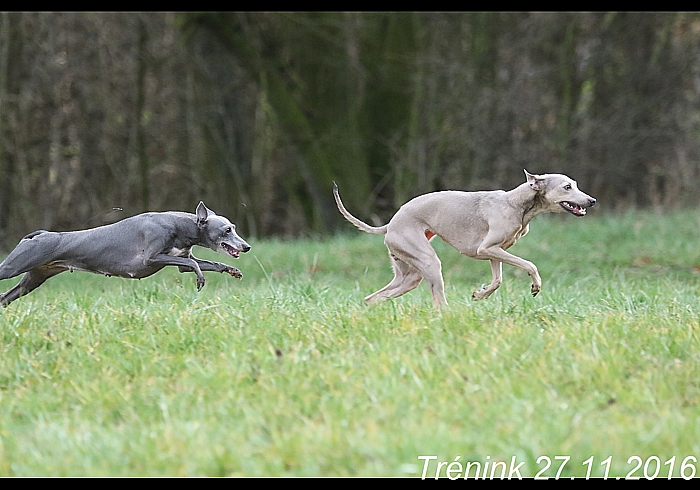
<point x="519" y="233"/>
<point x="179" y="252"/>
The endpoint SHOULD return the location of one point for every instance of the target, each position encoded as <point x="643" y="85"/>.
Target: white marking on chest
<point x="179" y="252"/>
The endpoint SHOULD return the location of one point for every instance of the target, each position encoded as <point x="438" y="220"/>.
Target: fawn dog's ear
<point x="536" y="181"/>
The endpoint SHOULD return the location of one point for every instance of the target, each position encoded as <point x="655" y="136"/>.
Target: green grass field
<point x="288" y="372"/>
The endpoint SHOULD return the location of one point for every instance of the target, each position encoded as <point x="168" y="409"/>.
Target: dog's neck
<point x="530" y="201"/>
<point x="187" y="233"/>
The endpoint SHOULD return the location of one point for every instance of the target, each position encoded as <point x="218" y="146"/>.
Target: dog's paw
<point x="234" y="272"/>
<point x="200" y="283"/>
<point x="535" y="289"/>
<point x="482" y="293"/>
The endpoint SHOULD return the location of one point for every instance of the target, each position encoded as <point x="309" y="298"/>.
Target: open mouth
<point x="574" y="209"/>
<point x="232" y="251"/>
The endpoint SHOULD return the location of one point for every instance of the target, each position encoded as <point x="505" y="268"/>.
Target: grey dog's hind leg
<point x="32" y="251"/>
<point x="31" y="255"/>
<point x="31" y="280"/>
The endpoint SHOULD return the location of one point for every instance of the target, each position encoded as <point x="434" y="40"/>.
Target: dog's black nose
<point x="245" y="248"/>
<point x="591" y="201"/>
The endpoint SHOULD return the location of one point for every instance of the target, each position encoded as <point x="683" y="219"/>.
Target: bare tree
<point x="256" y="113"/>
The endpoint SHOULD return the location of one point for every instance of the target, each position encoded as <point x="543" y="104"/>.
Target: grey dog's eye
<point x="229" y="230"/>
<point x="567" y="187"/>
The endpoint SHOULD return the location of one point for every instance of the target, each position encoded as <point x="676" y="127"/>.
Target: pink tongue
<point x="230" y="250"/>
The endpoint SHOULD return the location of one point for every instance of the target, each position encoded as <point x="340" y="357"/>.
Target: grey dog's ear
<point x="202" y="213"/>
<point x="536" y="182"/>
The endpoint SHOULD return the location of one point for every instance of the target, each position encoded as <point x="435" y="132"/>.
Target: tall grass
<point x="287" y="372"/>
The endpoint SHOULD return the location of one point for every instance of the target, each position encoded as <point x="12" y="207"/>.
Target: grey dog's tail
<point x="377" y="230"/>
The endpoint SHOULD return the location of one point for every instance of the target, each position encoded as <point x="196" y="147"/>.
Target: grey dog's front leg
<point x="181" y="262"/>
<point x="209" y="266"/>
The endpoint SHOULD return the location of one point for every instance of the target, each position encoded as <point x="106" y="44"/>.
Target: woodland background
<point x="257" y="113"/>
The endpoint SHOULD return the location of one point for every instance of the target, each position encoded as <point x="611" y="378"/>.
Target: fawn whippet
<point x="481" y="225"/>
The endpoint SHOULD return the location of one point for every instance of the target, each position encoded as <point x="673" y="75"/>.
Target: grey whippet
<point x="134" y="247"/>
<point x="481" y="225"/>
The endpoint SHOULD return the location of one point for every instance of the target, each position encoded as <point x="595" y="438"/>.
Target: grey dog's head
<point x="560" y="193"/>
<point x="218" y="233"/>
